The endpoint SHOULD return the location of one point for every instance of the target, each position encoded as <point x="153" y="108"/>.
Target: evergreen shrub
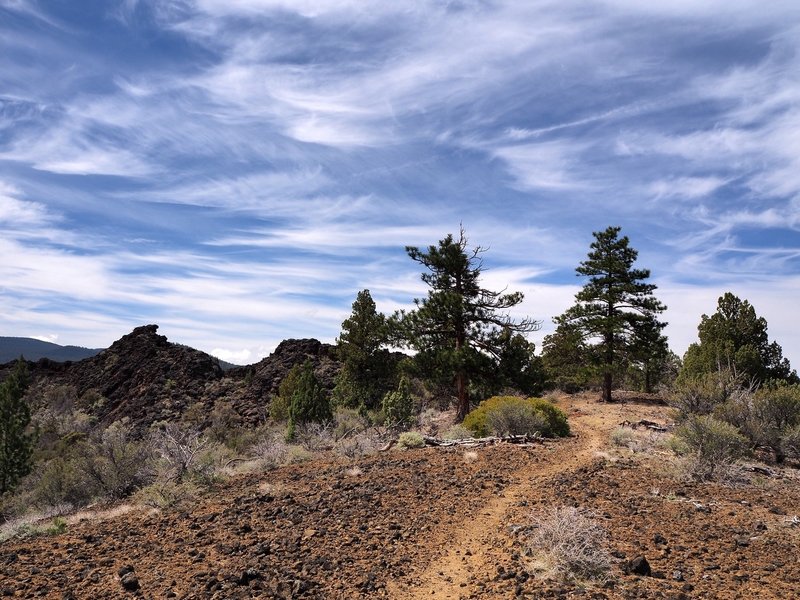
<point x="503" y="415"/>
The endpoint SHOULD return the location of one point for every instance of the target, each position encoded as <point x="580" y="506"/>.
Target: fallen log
<point x="521" y="440"/>
<point x="644" y="424"/>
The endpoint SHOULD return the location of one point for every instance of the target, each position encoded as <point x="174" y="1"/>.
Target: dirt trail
<point x="471" y="550"/>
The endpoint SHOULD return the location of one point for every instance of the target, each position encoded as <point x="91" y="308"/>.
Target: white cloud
<point x="546" y="165"/>
<point x="685" y="188"/>
<point x="68" y="150"/>
<point x="52" y="338"/>
<point x="20" y="213"/>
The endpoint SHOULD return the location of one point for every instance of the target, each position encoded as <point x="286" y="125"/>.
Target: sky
<point x="237" y="170"/>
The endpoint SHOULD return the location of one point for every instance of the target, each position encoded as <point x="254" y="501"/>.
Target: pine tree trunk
<point x="607" y="381"/>
<point x="463" y="397"/>
<point x="607" y="376"/>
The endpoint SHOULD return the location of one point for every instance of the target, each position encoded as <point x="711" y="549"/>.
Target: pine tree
<point x="650" y="360"/>
<point x="518" y="367"/>
<point x="735" y="338"/>
<point x="310" y="403"/>
<point x="459" y="323"/>
<point x="16" y="445"/>
<point x="567" y="358"/>
<point x="366" y="371"/>
<point x="398" y="406"/>
<point x="614" y="304"/>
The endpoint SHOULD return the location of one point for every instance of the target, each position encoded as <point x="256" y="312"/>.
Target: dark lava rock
<point x="637" y="566"/>
<point x="128" y="578"/>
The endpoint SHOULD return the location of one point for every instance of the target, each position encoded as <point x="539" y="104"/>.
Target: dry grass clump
<point x="637" y="441"/>
<point x="470" y="456"/>
<point x="32" y="525"/>
<point x="166" y="493"/>
<point x="567" y="544"/>
<point x="458" y="432"/>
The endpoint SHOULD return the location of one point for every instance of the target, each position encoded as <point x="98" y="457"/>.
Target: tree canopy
<point x="735" y="338"/>
<point x="16" y="444"/>
<point x="460" y="323"/>
<point x="615" y="307"/>
<point x="366" y="373"/>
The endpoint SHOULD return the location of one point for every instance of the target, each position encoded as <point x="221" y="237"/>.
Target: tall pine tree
<point x="16" y="445"/>
<point x="366" y="373"/>
<point x="614" y="306"/>
<point x="459" y="323"/>
<point x="735" y="338"/>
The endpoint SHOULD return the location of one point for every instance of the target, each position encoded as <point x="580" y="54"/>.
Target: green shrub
<point x="503" y="414"/>
<point x="279" y="408"/>
<point x="702" y="394"/>
<point x="458" y="432"/>
<point x="776" y="411"/>
<point x="622" y="437"/>
<point x="167" y="494"/>
<point x="60" y="482"/>
<point x="410" y="439"/>
<point x="791" y="442"/>
<point x="398" y="406"/>
<point x="57" y="527"/>
<point x="114" y="463"/>
<point x="711" y="445"/>
<point x="226" y="425"/>
<point x="279" y="405"/>
<point x="310" y="403"/>
<point x="516" y="418"/>
<point x="764" y="416"/>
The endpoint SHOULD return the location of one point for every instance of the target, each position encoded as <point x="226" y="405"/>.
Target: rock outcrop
<point x="146" y="378"/>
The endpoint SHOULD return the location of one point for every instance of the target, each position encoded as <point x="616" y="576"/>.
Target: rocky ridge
<point x="146" y="378"/>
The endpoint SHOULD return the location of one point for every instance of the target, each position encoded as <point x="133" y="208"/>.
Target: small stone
<point x="637" y="566"/>
<point x="130" y="582"/>
<point x="125" y="570"/>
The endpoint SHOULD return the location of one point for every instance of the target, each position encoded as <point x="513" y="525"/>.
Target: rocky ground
<point x="434" y="523"/>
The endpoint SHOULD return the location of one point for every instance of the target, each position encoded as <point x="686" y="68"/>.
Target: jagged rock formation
<point x="146" y="378"/>
<point x="250" y="388"/>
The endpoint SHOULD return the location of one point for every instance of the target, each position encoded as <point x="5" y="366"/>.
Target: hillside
<point x="435" y="523"/>
<point x="146" y="378"/>
<point x="11" y="348"/>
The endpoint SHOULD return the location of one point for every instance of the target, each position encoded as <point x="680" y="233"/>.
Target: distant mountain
<point x="11" y="348"/>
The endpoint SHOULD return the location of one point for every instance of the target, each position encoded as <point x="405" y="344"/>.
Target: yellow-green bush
<point x="502" y="415"/>
<point x="410" y="439"/>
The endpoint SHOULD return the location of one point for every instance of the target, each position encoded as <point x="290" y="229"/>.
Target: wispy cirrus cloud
<point x="238" y="170"/>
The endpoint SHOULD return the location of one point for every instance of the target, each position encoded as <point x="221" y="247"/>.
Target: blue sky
<point x="237" y="170"/>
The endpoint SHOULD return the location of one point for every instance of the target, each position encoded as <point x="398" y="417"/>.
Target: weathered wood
<point x="485" y="441"/>
<point x="759" y="470"/>
<point x="644" y="424"/>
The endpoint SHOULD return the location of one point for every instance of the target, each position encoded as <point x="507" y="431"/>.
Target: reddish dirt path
<point x="471" y="550"/>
